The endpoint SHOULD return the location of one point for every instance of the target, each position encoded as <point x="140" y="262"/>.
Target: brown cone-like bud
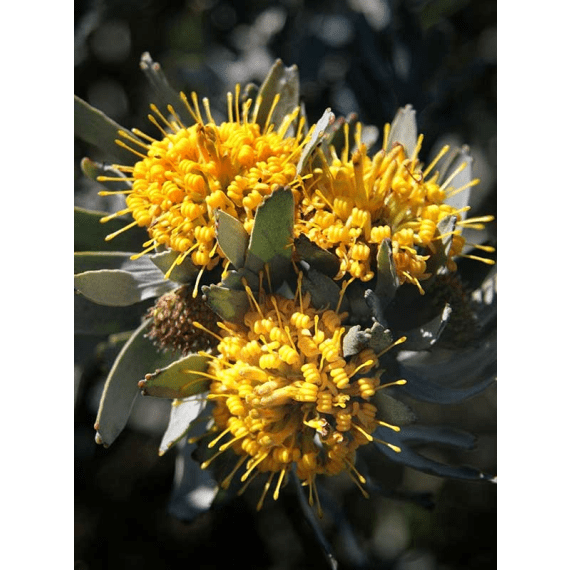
<point x="172" y="317"/>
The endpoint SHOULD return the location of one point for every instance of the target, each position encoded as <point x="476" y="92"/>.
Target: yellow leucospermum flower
<point x="182" y="178"/>
<point x="355" y="202"/>
<point x="285" y="396"/>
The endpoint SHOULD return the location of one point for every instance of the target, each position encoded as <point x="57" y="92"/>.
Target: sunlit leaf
<point x="94" y="260"/>
<point x="194" y="489"/>
<point x="272" y="235"/>
<point x="317" y="137"/>
<point x="229" y="304"/>
<point x="120" y="287"/>
<point x="403" y="130"/>
<point x="93" y="169"/>
<point x="456" y="159"/>
<point x="184" y="272"/>
<point x="438" y="260"/>
<point x="178" y="379"/>
<point x="376" y="337"/>
<point x="285" y="82"/>
<point x="232" y="238"/>
<point x="182" y="414"/>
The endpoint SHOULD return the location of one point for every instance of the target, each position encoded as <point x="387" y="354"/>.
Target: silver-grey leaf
<point x="184" y="272"/>
<point x="122" y="287"/>
<point x="232" y="238"/>
<point x="404" y="130"/>
<point x="94" y="127"/>
<point x="137" y="357"/>
<point x="182" y="414"/>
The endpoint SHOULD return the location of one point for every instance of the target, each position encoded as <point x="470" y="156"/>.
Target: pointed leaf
<point x="323" y="290"/>
<point x="437" y="262"/>
<point x="457" y="158"/>
<point x="90" y="233"/>
<point x="184" y="272"/>
<point x="164" y="93"/>
<point x="93" y="170"/>
<point x="375" y="306"/>
<point x="318" y="258"/>
<point x="457" y="367"/>
<point x="387" y="278"/>
<point x="178" y="379"/>
<point x="407" y="456"/>
<point x="424" y="390"/>
<point x="438" y="434"/>
<point x="94" y="127"/>
<point x="317" y="137"/>
<point x="232" y="238"/>
<point x="285" y="82"/>
<point x="120" y="287"/>
<point x="426" y="335"/>
<point x="404" y="130"/>
<point x="272" y="235"/>
<point x="182" y="414"/>
<point x="234" y="280"/>
<point x="229" y="304"/>
<point x="335" y="136"/>
<point x="137" y="357"/>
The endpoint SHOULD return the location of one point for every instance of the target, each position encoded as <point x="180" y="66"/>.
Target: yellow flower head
<point x="285" y="396"/>
<point x="182" y="178"/>
<point x="354" y="203"/>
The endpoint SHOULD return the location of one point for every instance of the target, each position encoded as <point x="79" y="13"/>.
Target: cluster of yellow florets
<point x="348" y="206"/>
<point x="285" y="395"/>
<point x="183" y="178"/>
<point x="352" y="204"/>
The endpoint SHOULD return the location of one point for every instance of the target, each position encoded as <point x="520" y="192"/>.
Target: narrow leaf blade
<point x="137" y="357"/>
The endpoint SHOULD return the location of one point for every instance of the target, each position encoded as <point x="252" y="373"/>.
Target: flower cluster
<point x="285" y="395"/>
<point x="183" y="178"/>
<point x="352" y="204"/>
<point x="293" y="379"/>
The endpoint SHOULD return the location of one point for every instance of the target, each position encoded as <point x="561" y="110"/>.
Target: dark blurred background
<point x="363" y="56"/>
